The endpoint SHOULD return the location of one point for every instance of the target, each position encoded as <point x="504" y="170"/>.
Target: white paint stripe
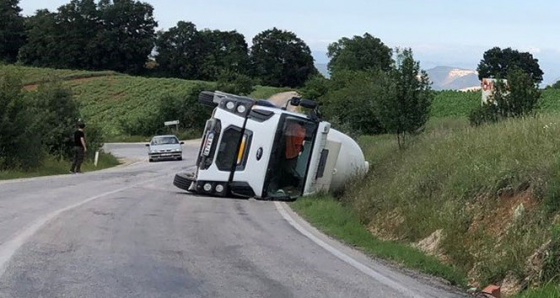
<point x="8" y="248"/>
<point x="346" y="258"/>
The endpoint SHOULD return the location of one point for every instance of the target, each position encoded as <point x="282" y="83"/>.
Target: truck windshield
<point x="290" y="157"/>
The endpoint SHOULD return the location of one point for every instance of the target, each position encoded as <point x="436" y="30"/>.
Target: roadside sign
<point x="169" y="123"/>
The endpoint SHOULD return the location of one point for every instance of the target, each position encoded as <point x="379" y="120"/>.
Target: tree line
<point x="121" y="35"/>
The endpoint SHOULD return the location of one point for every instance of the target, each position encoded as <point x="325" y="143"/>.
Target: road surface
<point x="128" y="232"/>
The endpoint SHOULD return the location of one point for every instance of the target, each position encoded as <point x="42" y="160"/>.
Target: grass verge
<point x="57" y="167"/>
<point x="549" y="291"/>
<point x="337" y="220"/>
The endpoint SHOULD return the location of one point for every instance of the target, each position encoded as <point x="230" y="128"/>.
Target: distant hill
<point x="442" y="77"/>
<point x="452" y="78"/>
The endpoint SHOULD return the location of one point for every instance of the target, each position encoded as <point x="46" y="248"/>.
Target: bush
<point x="20" y="146"/>
<point x="519" y="98"/>
<point x="351" y="101"/>
<point x="486" y="113"/>
<point x="182" y="107"/>
<point x="235" y="83"/>
<point x="55" y="116"/>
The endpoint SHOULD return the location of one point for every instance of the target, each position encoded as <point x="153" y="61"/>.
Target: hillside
<point x="107" y="98"/>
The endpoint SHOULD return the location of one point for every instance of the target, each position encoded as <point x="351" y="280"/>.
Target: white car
<point x="165" y="147"/>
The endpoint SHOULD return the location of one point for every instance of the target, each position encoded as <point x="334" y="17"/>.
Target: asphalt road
<point x="128" y="232"/>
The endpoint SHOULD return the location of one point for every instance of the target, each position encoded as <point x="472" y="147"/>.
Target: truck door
<point x="290" y="157"/>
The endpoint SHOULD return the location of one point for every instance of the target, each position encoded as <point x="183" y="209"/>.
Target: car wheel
<point x="179" y="158"/>
<point x="151" y="160"/>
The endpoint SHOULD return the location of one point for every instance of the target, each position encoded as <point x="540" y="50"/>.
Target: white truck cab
<point x="253" y="148"/>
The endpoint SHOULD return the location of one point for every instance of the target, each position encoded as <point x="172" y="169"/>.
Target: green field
<point x="107" y="98"/>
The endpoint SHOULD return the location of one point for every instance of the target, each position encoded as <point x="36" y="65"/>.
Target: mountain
<point x="452" y="78"/>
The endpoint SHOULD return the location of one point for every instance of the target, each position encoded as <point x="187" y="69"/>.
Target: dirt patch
<point x="34" y="87"/>
<point x="280" y="100"/>
<point x="496" y="218"/>
<point x="384" y="228"/>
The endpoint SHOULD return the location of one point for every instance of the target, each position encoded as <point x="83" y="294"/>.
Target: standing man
<point x="80" y="149"/>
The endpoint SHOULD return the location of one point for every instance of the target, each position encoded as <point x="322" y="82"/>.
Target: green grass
<point x="450" y="178"/>
<point x="465" y="181"/>
<point x="549" y="291"/>
<point x="454" y="104"/>
<point x="53" y="166"/>
<point x="338" y="221"/>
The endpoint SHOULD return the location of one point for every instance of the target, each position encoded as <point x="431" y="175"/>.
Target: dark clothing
<point x="78" y="135"/>
<point x="78" y="159"/>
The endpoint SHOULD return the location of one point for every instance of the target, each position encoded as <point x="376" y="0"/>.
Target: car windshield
<point x="164" y="140"/>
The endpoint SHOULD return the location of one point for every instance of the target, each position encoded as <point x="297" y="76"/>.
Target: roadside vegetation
<point x="53" y="166"/>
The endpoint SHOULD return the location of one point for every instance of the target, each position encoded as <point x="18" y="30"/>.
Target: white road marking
<point x="344" y="257"/>
<point x="8" y="248"/>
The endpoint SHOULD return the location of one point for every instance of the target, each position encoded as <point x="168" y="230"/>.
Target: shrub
<point x="20" y="146"/>
<point x="235" y="83"/>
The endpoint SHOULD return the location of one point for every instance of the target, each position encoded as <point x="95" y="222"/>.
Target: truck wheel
<point x="207" y="98"/>
<point x="183" y="181"/>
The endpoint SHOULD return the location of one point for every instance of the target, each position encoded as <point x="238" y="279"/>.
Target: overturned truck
<point x="257" y="149"/>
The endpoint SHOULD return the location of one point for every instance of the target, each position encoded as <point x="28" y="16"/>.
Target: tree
<point x="43" y="42"/>
<point x="279" y="58"/>
<point x="64" y="39"/>
<point x="116" y="35"/>
<point x="349" y="101"/>
<point x="12" y="30"/>
<point x="128" y="35"/>
<point x="180" y="51"/>
<point x="517" y="98"/>
<point x="556" y="85"/>
<point x="359" y="54"/>
<point x="405" y="106"/>
<point x="497" y="63"/>
<point x="225" y="51"/>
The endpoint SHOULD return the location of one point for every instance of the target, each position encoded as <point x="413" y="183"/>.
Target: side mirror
<point x="182" y="143"/>
<point x="147" y="145"/>
<point x="295" y="101"/>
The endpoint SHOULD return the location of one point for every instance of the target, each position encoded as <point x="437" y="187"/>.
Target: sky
<point x="440" y="32"/>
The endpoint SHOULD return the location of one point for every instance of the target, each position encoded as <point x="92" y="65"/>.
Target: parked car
<point x="165" y="147"/>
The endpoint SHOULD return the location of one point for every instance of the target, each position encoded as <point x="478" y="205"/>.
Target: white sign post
<point x="175" y="122"/>
<point x="96" y="159"/>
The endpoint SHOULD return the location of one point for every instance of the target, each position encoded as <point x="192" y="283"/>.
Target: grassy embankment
<point x="53" y="166"/>
<point x="480" y="203"/>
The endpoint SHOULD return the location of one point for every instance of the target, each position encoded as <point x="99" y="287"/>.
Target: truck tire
<point x="207" y="98"/>
<point x="182" y="181"/>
